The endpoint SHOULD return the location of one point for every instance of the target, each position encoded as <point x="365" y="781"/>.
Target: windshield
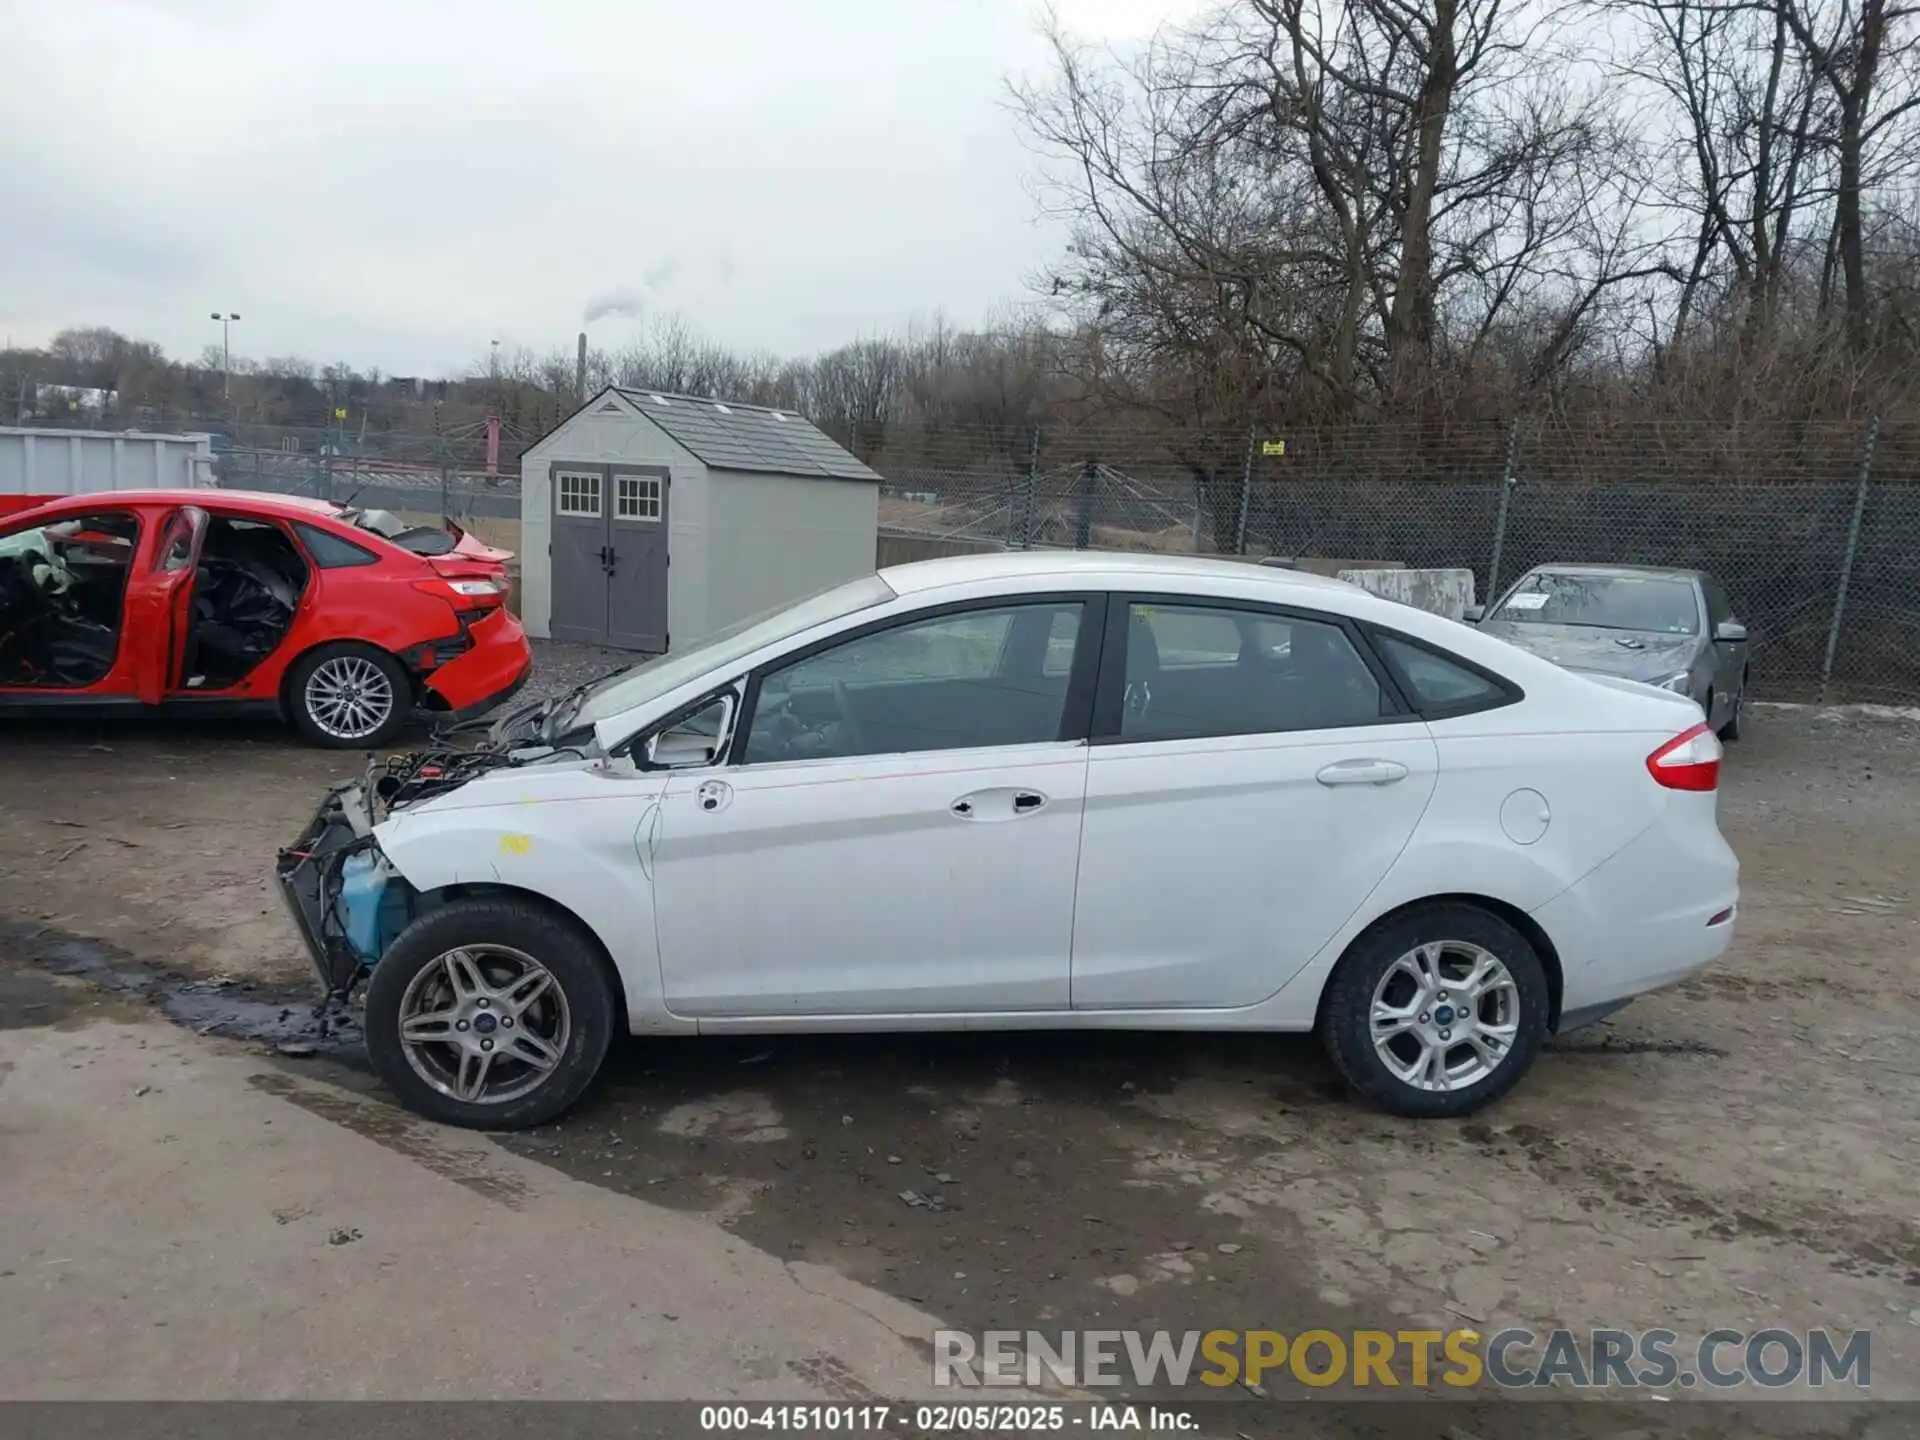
<point x="1657" y="603"/>
<point x="650" y="679"/>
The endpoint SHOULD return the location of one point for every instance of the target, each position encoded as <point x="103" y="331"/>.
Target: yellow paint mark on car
<point x="516" y="844"/>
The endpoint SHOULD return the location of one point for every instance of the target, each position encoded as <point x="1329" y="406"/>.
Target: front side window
<point x="648" y="680"/>
<point x="1198" y="670"/>
<point x="62" y="586"/>
<point x="948" y="682"/>
<point x="1719" y="607"/>
<point x="1661" y="604"/>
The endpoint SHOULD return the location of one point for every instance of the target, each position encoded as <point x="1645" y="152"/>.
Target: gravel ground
<point x="1741" y="1151"/>
<point x="558" y="666"/>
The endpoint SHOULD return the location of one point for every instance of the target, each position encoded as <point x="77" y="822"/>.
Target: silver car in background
<point x="1670" y="628"/>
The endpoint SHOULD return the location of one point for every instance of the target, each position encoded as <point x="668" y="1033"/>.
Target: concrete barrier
<point x="895" y="548"/>
<point x="1443" y="592"/>
<point x="1322" y="565"/>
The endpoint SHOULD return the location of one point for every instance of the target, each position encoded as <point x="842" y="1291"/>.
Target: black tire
<point x="1346" y="1026"/>
<point x="315" y="730"/>
<point x="1731" y="730"/>
<point x="569" y="955"/>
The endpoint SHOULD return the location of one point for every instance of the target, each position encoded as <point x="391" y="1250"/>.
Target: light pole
<point x="226" y="354"/>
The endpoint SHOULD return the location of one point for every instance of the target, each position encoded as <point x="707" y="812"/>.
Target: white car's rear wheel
<point x="1437" y="1012"/>
<point x="493" y="1013"/>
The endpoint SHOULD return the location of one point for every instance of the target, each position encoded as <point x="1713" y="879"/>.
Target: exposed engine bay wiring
<point x="401" y="780"/>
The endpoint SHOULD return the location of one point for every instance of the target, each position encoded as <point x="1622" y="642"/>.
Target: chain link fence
<point x="393" y="470"/>
<point x="1813" y="529"/>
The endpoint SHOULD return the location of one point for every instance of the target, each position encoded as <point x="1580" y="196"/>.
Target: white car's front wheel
<point x="493" y="1013"/>
<point x="1437" y="1012"/>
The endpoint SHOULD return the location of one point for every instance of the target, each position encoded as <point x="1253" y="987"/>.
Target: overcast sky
<point x="395" y="183"/>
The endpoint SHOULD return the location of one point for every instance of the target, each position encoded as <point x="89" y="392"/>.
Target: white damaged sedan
<point x="1059" y="790"/>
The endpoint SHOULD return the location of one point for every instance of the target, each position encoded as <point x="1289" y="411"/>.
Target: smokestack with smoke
<point x="580" y="372"/>
<point x="612" y="302"/>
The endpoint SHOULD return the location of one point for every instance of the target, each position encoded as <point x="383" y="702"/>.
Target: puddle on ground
<point x="291" y="1022"/>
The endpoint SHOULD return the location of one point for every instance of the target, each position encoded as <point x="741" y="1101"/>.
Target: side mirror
<point x="1731" y="632"/>
<point x="697" y="740"/>
<point x="677" y="750"/>
<point x="1473" y="614"/>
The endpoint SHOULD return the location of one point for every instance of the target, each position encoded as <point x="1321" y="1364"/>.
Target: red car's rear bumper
<point x="496" y="666"/>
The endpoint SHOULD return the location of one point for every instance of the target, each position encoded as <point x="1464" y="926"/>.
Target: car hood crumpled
<point x="1629" y="654"/>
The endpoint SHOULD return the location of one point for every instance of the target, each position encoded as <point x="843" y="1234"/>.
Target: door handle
<point x="990" y="806"/>
<point x="1362" y="772"/>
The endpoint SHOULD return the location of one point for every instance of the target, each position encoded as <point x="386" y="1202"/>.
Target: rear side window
<point x="330" y="552"/>
<point x="1194" y="671"/>
<point x="1439" y="684"/>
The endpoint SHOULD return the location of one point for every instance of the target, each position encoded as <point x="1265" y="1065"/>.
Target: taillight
<point x="1689" y="761"/>
<point x="466" y="592"/>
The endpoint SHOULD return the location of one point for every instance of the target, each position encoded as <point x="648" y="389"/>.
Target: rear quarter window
<point x="1439" y="684"/>
<point x="330" y="552"/>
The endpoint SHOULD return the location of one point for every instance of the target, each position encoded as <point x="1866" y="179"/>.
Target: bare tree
<point x="1869" y="58"/>
<point x="1336" y="193"/>
<point x="1746" y="168"/>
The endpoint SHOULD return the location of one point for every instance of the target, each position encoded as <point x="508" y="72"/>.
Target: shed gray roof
<point x="727" y="436"/>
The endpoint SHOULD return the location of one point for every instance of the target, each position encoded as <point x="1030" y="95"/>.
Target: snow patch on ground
<point x="1844" y="712"/>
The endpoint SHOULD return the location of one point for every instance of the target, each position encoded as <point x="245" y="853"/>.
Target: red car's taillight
<point x="1689" y="761"/>
<point x="466" y="592"/>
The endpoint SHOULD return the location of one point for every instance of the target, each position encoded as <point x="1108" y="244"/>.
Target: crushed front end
<point x="347" y="901"/>
<point x="311" y="873"/>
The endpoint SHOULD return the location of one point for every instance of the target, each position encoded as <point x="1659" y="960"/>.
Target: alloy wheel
<point x="484" y="1024"/>
<point x="349" y="697"/>
<point x="1445" y="1016"/>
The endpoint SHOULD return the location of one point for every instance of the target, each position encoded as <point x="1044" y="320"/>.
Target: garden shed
<point x="650" y="520"/>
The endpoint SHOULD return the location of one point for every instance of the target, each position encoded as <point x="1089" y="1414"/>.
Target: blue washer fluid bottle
<point x="375" y="909"/>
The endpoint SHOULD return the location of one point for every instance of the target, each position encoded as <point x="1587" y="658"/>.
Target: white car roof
<point x="1102" y="569"/>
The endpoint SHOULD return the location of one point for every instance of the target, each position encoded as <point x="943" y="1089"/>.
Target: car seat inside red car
<point x="62" y="590"/>
<point x="246" y="590"/>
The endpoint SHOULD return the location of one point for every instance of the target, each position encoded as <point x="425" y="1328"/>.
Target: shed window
<point x="636" y="497"/>
<point x="578" y="494"/>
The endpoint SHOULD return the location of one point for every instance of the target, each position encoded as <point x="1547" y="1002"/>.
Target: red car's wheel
<point x="349" y="696"/>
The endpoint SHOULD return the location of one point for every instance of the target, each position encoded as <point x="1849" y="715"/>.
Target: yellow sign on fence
<point x="1273" y="447"/>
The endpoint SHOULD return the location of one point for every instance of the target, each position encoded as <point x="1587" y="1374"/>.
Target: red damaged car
<point x="221" y="602"/>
